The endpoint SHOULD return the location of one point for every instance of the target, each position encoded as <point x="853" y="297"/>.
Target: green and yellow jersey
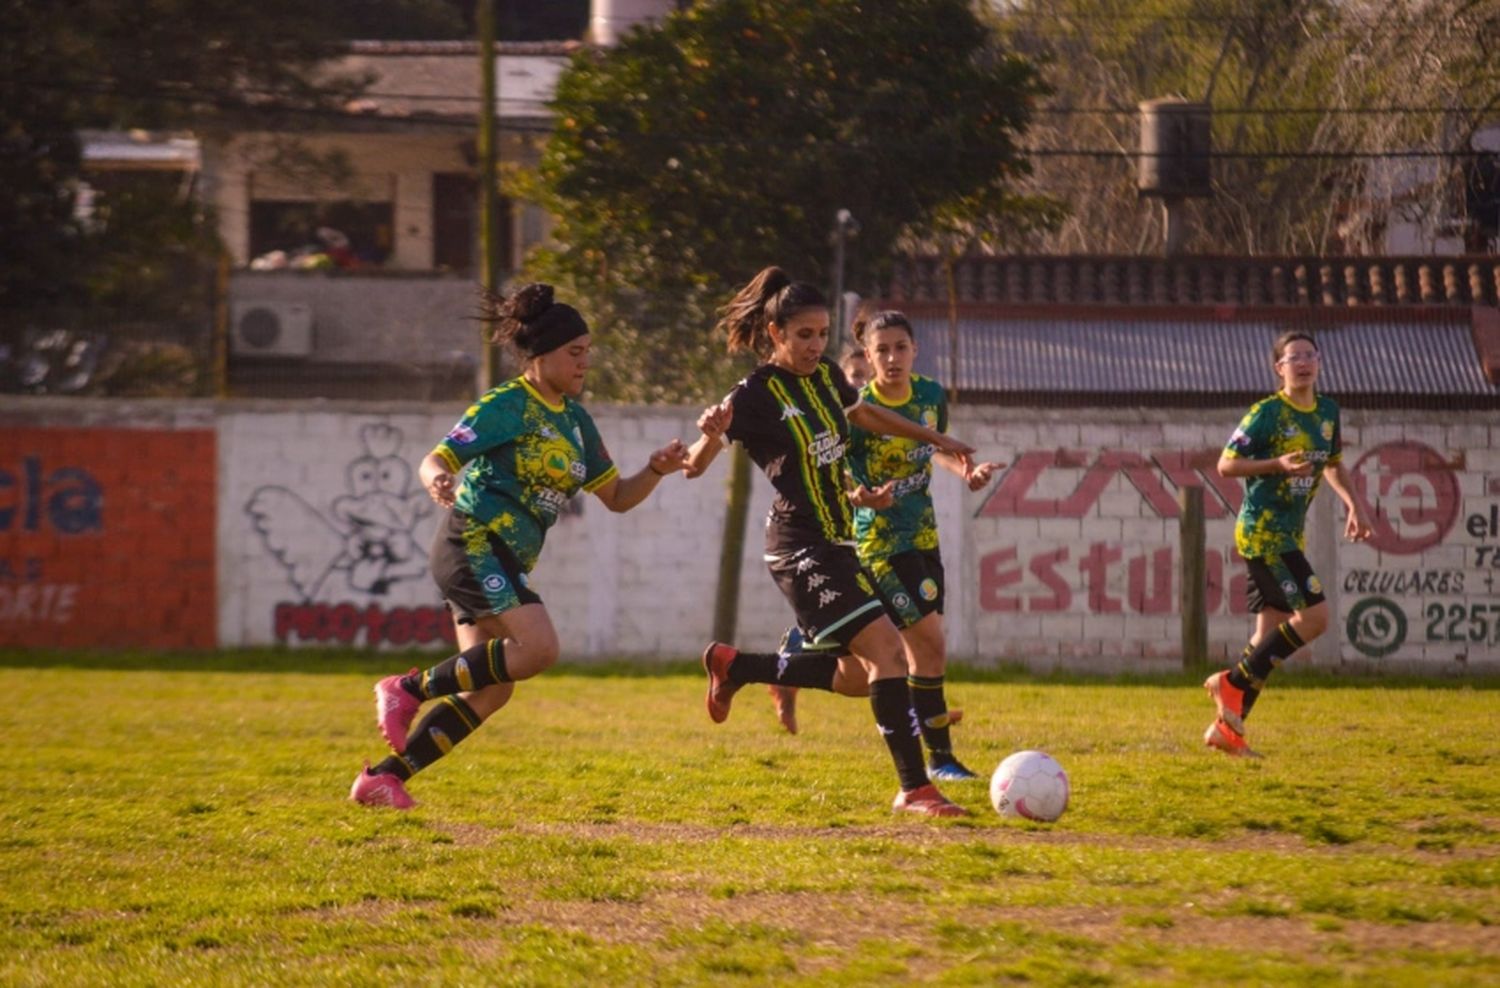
<point x="1274" y="512"/>
<point x="526" y="458"/>
<point x="910" y="522"/>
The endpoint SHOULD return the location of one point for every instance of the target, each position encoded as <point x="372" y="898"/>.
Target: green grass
<point x="183" y="820"/>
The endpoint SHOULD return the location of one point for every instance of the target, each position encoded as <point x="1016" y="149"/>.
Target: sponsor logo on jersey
<point x="1240" y="439"/>
<point x="462" y="435"/>
<point x="1314" y="585"/>
<point x="1288" y="587"/>
<point x="929" y="418"/>
<point x="1327" y="431"/>
<point x="494" y="582"/>
<point x="901" y="601"/>
<point x="928" y="589"/>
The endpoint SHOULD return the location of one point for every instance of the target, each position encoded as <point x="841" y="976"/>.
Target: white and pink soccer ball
<point x="1030" y="785"/>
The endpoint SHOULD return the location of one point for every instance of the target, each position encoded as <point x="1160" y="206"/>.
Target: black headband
<point x="558" y="325"/>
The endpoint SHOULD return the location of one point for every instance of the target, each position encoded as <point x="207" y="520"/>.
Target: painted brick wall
<point x="1070" y="558"/>
<point x="106" y="533"/>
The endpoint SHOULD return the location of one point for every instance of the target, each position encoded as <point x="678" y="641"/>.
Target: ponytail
<point x="770" y="297"/>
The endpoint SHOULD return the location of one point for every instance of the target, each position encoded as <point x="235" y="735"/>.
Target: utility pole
<point x="490" y="369"/>
<point x="844" y="227"/>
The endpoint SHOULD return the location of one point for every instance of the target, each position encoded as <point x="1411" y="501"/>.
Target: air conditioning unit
<point x="270" y="329"/>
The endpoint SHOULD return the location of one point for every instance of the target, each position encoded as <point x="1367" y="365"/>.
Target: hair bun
<point x="530" y="302"/>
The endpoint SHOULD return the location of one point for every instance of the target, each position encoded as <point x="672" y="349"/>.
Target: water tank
<point x="1175" y="147"/>
<point x="610" y="19"/>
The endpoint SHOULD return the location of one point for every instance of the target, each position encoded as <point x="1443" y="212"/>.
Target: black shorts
<point x="911" y="583"/>
<point x="831" y="595"/>
<point x="1283" y="583"/>
<point x="475" y="571"/>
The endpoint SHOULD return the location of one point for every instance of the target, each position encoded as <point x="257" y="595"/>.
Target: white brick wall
<point x="1084" y="581"/>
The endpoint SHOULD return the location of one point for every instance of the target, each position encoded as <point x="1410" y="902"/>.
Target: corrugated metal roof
<point x="1168" y="359"/>
<point x="1315" y="282"/>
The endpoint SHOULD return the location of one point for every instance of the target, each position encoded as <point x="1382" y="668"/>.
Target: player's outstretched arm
<point x="873" y="418"/>
<point x="624" y="493"/>
<point x="712" y="423"/>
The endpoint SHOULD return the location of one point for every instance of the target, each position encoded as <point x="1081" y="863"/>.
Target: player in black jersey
<point x="792" y="414"/>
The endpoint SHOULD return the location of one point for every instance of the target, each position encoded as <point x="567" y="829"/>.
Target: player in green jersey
<point x="896" y="531"/>
<point x="529" y="446"/>
<point x="1284" y="446"/>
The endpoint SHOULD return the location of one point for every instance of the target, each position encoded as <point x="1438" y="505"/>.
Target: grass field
<point x="185" y="821"/>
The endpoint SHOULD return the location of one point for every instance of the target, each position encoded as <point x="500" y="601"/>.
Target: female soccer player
<point x="793" y="415"/>
<point x="1284" y="445"/>
<point x="897" y="531"/>
<point x="530" y="446"/>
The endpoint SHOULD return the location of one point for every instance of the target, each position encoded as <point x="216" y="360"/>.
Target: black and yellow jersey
<point x="794" y="428"/>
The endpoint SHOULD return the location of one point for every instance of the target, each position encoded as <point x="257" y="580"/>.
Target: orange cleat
<point x="1225" y="738"/>
<point x="927" y="801"/>
<point x="717" y="658"/>
<point x="1229" y="699"/>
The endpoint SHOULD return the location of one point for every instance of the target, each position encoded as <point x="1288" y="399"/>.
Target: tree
<point x="726" y="138"/>
<point x="1310" y="99"/>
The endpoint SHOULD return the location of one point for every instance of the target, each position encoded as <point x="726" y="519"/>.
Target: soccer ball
<point x="1030" y="785"/>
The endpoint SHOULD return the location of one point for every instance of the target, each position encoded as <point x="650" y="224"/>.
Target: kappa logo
<point x="827" y="597"/>
<point x="803" y="565"/>
<point x="773" y="469"/>
<point x="547" y="432"/>
<point x="816" y="580"/>
<point x="790" y="411"/>
<point x="781" y="664"/>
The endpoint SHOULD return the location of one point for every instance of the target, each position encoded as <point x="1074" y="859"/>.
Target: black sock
<point x="812" y="671"/>
<point x="891" y="701"/>
<point x="1251" y="692"/>
<point x="471" y="669"/>
<point x="1269" y="654"/>
<point x="446" y="724"/>
<point x="932" y="715"/>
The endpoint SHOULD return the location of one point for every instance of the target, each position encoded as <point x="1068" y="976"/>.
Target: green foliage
<point x="1293" y="84"/>
<point x="727" y="138"/>
<point x="186" y="824"/>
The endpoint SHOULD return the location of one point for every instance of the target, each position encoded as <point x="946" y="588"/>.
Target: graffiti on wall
<point x="39" y="500"/>
<point x="1416" y="505"/>
<point x="107" y="538"/>
<point x="1043" y="579"/>
<point x="344" y="559"/>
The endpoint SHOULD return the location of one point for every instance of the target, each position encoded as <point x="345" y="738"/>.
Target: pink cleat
<point x="927" y="801"/>
<point x="717" y="658"/>
<point x="394" y="710"/>
<point x="380" y="790"/>
<point x="785" y="698"/>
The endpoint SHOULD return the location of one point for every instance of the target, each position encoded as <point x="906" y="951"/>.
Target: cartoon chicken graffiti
<point x="368" y="535"/>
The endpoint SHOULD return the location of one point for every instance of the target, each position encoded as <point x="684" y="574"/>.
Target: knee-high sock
<point x="1279" y="645"/>
<point x="931" y="705"/>
<point x="446" y="724"/>
<point x="891" y="701"/>
<point x="808" y="670"/>
<point x="473" y="668"/>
